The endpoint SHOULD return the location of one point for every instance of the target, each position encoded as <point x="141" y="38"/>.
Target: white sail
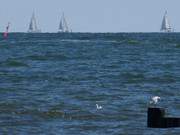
<point x="63" y="26"/>
<point x="166" y="27"/>
<point x="33" y="25"/>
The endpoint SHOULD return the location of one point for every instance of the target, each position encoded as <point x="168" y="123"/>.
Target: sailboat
<point x="33" y="25"/>
<point x="5" y="34"/>
<point x="63" y="26"/>
<point x="166" y="27"/>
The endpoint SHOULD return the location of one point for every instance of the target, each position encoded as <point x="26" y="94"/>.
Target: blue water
<point x="51" y="83"/>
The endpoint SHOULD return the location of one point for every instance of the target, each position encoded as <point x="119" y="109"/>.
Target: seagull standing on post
<point x="154" y="100"/>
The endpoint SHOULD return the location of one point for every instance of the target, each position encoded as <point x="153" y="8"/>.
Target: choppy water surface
<point x="51" y="83"/>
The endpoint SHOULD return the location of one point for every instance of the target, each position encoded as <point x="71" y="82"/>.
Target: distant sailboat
<point x="33" y="25"/>
<point x="166" y="27"/>
<point x="5" y="34"/>
<point x="63" y="26"/>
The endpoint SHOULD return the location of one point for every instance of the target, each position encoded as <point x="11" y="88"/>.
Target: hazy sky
<point x="90" y="15"/>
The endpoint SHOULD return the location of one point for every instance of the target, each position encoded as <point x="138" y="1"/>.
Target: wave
<point x="46" y="57"/>
<point x="13" y="63"/>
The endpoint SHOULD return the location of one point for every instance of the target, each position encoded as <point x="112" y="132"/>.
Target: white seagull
<point x="154" y="100"/>
<point x="98" y="107"/>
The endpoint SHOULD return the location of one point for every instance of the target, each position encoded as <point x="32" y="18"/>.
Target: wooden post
<point x="157" y="119"/>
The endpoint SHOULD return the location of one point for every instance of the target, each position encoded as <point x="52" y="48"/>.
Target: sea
<point x="51" y="83"/>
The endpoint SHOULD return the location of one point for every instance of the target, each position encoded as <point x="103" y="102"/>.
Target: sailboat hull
<point x="34" y="31"/>
<point x="60" y="31"/>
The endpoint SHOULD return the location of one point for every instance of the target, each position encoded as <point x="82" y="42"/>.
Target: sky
<point x="90" y="15"/>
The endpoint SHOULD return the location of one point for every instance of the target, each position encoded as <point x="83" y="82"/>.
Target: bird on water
<point x="98" y="107"/>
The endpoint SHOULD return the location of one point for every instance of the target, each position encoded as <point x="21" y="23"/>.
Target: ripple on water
<point x="46" y="57"/>
<point x="13" y="63"/>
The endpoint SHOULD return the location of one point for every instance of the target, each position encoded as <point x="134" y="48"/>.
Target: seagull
<point x="98" y="107"/>
<point x="154" y="100"/>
